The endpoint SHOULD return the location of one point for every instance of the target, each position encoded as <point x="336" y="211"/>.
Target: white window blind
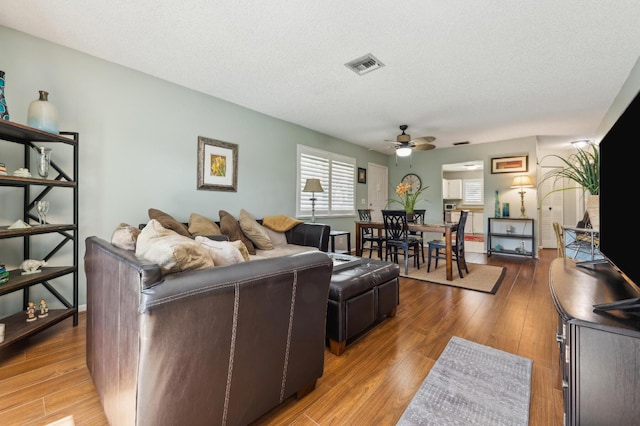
<point x="472" y="191"/>
<point x="337" y="176"/>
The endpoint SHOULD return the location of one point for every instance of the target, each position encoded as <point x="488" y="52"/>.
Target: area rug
<point x="485" y="278"/>
<point x="473" y="384"/>
<point x="477" y="238"/>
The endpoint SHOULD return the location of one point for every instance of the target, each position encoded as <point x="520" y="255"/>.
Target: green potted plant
<point x="582" y="168"/>
<point x="407" y="199"/>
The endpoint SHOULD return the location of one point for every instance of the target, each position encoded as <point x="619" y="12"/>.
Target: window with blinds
<point x="472" y="191"/>
<point x="337" y="174"/>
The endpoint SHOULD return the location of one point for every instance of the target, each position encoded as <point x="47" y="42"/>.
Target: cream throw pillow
<point x="277" y="238"/>
<point x="243" y="249"/>
<point x="200" y="225"/>
<point x="254" y="231"/>
<point x="222" y="252"/>
<point x="171" y="251"/>
<point x="125" y="237"/>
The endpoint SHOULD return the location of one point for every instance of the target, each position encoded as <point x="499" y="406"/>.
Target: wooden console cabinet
<point x="599" y="352"/>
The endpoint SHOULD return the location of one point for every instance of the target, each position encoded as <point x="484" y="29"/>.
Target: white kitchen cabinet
<point x="478" y="223"/>
<point x="452" y="189"/>
<point x="474" y="224"/>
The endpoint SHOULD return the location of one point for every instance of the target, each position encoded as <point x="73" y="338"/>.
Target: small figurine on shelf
<point x="32" y="266"/>
<point x="31" y="312"/>
<point x="44" y="310"/>
<point x="3" y="169"/>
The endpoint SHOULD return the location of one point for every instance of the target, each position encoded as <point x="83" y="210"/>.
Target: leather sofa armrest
<point x="310" y="234"/>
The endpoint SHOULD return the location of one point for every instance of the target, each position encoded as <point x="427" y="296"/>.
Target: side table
<point x="334" y="234"/>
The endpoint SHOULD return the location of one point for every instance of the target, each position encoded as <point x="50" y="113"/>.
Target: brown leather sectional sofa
<point x="215" y="346"/>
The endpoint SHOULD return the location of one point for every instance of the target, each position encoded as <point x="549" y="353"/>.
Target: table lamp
<point x="313" y="186"/>
<point x="521" y="182"/>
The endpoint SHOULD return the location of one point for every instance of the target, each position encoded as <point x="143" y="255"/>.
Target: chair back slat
<point x="395" y="224"/>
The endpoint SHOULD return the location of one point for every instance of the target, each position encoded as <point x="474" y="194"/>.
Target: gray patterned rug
<point x="473" y="384"/>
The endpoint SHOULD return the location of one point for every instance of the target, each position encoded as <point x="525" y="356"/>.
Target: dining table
<point x="447" y="229"/>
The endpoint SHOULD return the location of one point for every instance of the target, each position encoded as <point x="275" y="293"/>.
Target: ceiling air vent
<point x="364" y="64"/>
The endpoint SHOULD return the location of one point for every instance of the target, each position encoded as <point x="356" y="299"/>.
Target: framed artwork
<point x="362" y="175"/>
<point x="510" y="164"/>
<point x="217" y="165"/>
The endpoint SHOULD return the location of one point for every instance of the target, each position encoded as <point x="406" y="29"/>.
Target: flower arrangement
<point x="407" y="199"/>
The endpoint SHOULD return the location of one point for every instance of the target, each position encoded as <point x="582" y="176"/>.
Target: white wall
<point x="138" y="146"/>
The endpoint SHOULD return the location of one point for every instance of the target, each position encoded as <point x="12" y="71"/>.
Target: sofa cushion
<point x="277" y="238"/>
<point x="254" y="231"/>
<point x="280" y="222"/>
<point x="201" y="225"/>
<point x="171" y="251"/>
<point x="125" y="237"/>
<point x="243" y="249"/>
<point x="168" y="222"/>
<point x="231" y="228"/>
<point x="222" y="252"/>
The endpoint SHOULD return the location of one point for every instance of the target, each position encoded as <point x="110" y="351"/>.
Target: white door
<point x="551" y="210"/>
<point x="378" y="183"/>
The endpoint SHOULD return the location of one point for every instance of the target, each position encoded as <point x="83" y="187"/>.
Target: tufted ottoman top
<point x="351" y="282"/>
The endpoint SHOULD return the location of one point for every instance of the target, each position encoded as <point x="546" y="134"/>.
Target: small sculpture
<point x="31" y="312"/>
<point x="22" y="172"/>
<point x="31" y="266"/>
<point x="44" y="310"/>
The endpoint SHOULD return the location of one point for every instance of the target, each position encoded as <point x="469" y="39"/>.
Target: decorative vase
<point x="497" y="209"/>
<point x="44" y="160"/>
<point x="505" y="210"/>
<point x="4" y="110"/>
<point x="43" y="114"/>
<point x="410" y="216"/>
<point x="593" y="208"/>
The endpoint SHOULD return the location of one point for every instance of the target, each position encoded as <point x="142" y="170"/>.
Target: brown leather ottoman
<point x="360" y="297"/>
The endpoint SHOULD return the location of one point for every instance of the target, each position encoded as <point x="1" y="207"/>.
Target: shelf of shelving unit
<point x="497" y="234"/>
<point x="35" y="188"/>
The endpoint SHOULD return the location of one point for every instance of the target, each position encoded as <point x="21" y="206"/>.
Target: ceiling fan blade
<point x="423" y="140"/>
<point x="424" y="147"/>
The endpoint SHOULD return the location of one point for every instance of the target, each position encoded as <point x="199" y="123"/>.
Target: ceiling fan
<point x="404" y="144"/>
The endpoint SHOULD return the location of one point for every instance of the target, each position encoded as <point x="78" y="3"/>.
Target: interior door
<point x="551" y="210"/>
<point x="378" y="193"/>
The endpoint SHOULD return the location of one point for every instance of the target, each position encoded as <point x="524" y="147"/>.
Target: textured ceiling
<point x="477" y="71"/>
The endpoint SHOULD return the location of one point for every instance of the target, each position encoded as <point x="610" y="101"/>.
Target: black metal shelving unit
<point x="35" y="189"/>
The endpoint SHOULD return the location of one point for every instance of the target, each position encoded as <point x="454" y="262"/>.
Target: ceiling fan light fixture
<point x="403" y="151"/>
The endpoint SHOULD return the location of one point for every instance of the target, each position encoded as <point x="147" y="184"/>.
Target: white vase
<point x="43" y="114"/>
<point x="593" y="208"/>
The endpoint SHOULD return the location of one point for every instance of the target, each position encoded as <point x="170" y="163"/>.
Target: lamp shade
<point x="521" y="182"/>
<point x="403" y="152"/>
<point x="313" y="185"/>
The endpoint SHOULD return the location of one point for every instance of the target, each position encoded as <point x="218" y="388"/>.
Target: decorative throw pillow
<point x="280" y="223"/>
<point x="277" y="238"/>
<point x="168" y="222"/>
<point x="125" y="237"/>
<point x="231" y="228"/>
<point x="243" y="249"/>
<point x="256" y="232"/>
<point x="200" y="225"/>
<point x="222" y="252"/>
<point x="171" y="251"/>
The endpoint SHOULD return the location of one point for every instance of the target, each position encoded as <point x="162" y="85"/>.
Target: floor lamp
<point x="313" y="186"/>
<point x="521" y="182"/>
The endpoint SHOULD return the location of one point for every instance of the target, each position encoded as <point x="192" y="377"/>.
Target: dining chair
<point x="398" y="239"/>
<point x="559" y="238"/>
<point x="457" y="247"/>
<point x="370" y="235"/>
<point x="418" y="215"/>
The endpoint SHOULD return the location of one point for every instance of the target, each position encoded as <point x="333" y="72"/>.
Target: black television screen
<point x="619" y="164"/>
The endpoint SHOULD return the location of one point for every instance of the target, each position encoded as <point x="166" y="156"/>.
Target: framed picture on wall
<point x="510" y="164"/>
<point x="362" y="175"/>
<point x="217" y="165"/>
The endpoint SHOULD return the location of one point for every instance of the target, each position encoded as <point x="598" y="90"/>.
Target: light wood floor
<point x="45" y="378"/>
